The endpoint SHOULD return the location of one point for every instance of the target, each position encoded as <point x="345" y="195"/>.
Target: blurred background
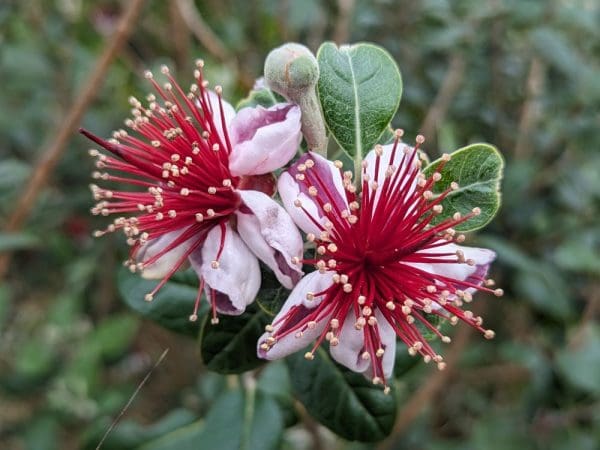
<point x="521" y="74"/>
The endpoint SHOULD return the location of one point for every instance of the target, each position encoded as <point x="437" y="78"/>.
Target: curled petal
<point x="264" y="140"/>
<point x="270" y="233"/>
<point x="233" y="281"/>
<point x="294" y="188"/>
<point x="167" y="261"/>
<point x="294" y="310"/>
<point x="481" y="259"/>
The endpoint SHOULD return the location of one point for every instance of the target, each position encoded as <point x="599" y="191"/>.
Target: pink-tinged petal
<point x="482" y="258"/>
<point x="351" y="346"/>
<point x="388" y="344"/>
<point x="399" y="158"/>
<point x="313" y="282"/>
<point x="324" y="176"/>
<point x="270" y="233"/>
<point x="163" y="265"/>
<point x="228" y="110"/>
<point x="267" y="183"/>
<point x="264" y="140"/>
<point x="236" y="279"/>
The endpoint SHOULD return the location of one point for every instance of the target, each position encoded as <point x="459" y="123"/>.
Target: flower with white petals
<point x="194" y="162"/>
<point x="384" y="266"/>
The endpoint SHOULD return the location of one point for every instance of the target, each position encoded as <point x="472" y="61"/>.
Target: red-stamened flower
<point x="192" y="161"/>
<point x="383" y="266"/>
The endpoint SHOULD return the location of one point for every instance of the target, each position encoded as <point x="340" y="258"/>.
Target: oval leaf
<point x="238" y="420"/>
<point x="230" y="345"/>
<point x="359" y="88"/>
<point x="173" y="304"/>
<point x="478" y="170"/>
<point x="344" y="401"/>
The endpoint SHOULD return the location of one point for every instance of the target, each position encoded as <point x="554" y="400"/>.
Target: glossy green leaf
<point x="477" y="169"/>
<point x="342" y="400"/>
<point x="260" y="97"/>
<point x="272" y="294"/>
<point x="173" y="304"/>
<point x="359" y="88"/>
<point x="230" y="345"/>
<point x="238" y="420"/>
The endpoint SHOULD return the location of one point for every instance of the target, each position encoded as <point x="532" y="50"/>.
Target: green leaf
<point x="272" y="294"/>
<point x="579" y="364"/>
<point x="173" y="304"/>
<point x="275" y="381"/>
<point x="359" y="88"/>
<point x="477" y="169"/>
<point x="535" y="281"/>
<point x="17" y="241"/>
<point x="230" y="346"/>
<point x="130" y="434"/>
<point x="113" y="335"/>
<point x="237" y="421"/>
<point x="260" y="97"/>
<point x="344" y="401"/>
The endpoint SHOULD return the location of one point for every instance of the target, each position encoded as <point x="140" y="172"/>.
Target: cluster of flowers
<point x="203" y="194"/>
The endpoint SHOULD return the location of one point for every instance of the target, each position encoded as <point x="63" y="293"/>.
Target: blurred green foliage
<point x="521" y="74"/>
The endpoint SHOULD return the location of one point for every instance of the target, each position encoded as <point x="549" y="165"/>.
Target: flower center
<point x="382" y="248"/>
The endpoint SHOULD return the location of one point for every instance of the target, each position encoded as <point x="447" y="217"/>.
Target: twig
<point x="422" y="397"/>
<point x="52" y="154"/>
<point x="130" y="401"/>
<point x="341" y="33"/>
<point x="531" y="108"/>
<point x="589" y="315"/>
<point x="311" y="426"/>
<point x="439" y="108"/>
<point x="181" y="36"/>
<point x="505" y="373"/>
<point x="202" y="31"/>
<point x="211" y="42"/>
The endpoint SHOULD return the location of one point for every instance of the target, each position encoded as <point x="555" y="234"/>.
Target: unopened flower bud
<point x="292" y="71"/>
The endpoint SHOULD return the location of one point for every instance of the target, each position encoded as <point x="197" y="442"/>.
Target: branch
<point x="202" y="31"/>
<point x="424" y="395"/>
<point x="53" y="152"/>
<point x="531" y="108"/>
<point x="341" y="33"/>
<point x="439" y="108"/>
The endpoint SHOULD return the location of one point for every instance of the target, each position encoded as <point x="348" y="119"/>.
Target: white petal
<point x="228" y="113"/>
<point x="163" y="265"/>
<point x="264" y="139"/>
<point x="462" y="272"/>
<point x="398" y="159"/>
<point x="236" y="280"/>
<point x="313" y="282"/>
<point x="388" y="341"/>
<point x="351" y="346"/>
<point x="270" y="233"/>
<point x="290" y="189"/>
